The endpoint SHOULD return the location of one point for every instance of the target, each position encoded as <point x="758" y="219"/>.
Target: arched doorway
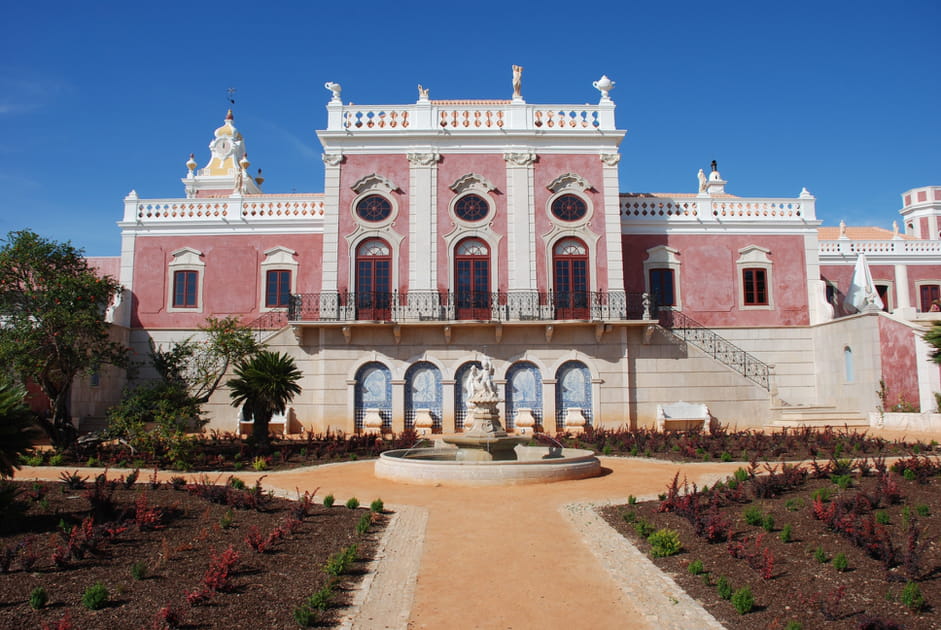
<point x="373" y="391"/>
<point x="570" y="279"/>
<point x="373" y="280"/>
<point x="423" y="391"/>
<point x="472" y="279"/>
<point x="523" y="390"/>
<point x="573" y="389"/>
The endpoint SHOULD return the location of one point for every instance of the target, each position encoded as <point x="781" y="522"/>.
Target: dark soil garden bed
<point x="859" y="544"/>
<point x="189" y="556"/>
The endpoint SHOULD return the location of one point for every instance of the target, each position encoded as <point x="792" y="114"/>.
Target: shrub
<point x="840" y="563"/>
<point x="328" y="500"/>
<point x="767" y="523"/>
<point x="322" y="598"/>
<point x="743" y="601"/>
<point x="882" y="517"/>
<point x="95" y="597"/>
<point x="786" y="534"/>
<point x="793" y="505"/>
<point x="139" y="570"/>
<point x="822" y="494"/>
<point x="236" y="483"/>
<point x="740" y="475"/>
<point x="305" y="617"/>
<point x="695" y="567"/>
<point x="843" y="481"/>
<point x="73" y="481"/>
<point x="352" y="503"/>
<point x="664" y="542"/>
<point x="339" y="562"/>
<point x="643" y="528"/>
<point x="912" y="597"/>
<point x="363" y="525"/>
<point x="753" y="515"/>
<point x="38" y="598"/>
<point x="820" y="555"/>
<point x="922" y="509"/>
<point x="376" y="506"/>
<point x="631" y="499"/>
<point x="259" y="464"/>
<point x="724" y="588"/>
<point x="793" y="625"/>
<point x="726" y="456"/>
<point x="225" y="521"/>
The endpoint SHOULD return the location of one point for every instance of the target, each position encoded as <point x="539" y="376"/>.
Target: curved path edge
<point x="662" y="602"/>
<point x="385" y="595"/>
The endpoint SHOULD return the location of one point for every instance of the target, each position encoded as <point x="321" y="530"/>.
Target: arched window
<point x="373" y="391"/>
<point x="460" y="393"/>
<point x="523" y="390"/>
<point x="423" y="391"/>
<point x="472" y="279"/>
<point x="572" y="389"/>
<point x="373" y="280"/>
<point x="570" y="279"/>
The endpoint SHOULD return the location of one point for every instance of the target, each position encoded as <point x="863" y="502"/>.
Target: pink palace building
<point x="452" y="230"/>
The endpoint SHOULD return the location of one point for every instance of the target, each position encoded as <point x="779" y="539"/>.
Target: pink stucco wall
<point x="491" y="167"/>
<point x="232" y="282"/>
<point x="394" y="168"/>
<point x="709" y="282"/>
<point x="899" y="361"/>
<point x="546" y="169"/>
<point x="105" y="265"/>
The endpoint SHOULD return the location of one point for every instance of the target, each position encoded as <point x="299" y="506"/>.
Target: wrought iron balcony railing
<point x="443" y="306"/>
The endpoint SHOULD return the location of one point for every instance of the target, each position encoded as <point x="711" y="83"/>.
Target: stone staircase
<point x="817" y="416"/>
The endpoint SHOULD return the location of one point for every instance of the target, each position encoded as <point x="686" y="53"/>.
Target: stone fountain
<point x="485" y="454"/>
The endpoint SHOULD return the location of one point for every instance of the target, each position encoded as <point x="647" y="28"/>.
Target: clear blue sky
<point x="99" y="98"/>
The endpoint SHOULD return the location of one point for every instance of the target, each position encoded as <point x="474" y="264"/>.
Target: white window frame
<point x="278" y="258"/>
<point x="186" y="259"/>
<point x="754" y="257"/>
<point x="664" y="257"/>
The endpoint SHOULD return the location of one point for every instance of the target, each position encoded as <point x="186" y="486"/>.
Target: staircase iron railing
<point x="722" y="350"/>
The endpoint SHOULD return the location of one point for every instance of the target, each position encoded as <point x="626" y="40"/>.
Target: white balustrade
<point x="702" y="209"/>
<point x="457" y="115"/>
<point x="225" y="209"/>
<point x="843" y="248"/>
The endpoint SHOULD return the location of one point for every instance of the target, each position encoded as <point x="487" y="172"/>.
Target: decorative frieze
<point x="423" y="159"/>
<point x="520" y="158"/>
<point x="332" y="159"/>
<point x="610" y="159"/>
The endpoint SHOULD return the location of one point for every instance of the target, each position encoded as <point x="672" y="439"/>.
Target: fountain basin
<point x="442" y="466"/>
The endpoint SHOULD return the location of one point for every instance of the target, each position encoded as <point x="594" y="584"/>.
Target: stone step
<point x="817" y="416"/>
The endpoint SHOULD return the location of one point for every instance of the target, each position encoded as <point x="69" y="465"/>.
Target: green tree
<point x="265" y="384"/>
<point x="199" y="363"/>
<point x="52" y="307"/>
<point x="933" y="337"/>
<point x="16" y="426"/>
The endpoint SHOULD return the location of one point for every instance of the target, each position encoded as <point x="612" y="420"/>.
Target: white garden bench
<point x="279" y="422"/>
<point x="683" y="416"/>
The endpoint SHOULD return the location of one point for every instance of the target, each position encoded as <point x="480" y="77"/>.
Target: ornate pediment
<point x="569" y="181"/>
<point x="471" y="181"/>
<point x="374" y="182"/>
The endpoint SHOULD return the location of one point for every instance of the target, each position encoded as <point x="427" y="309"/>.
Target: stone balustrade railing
<point x="896" y="247"/>
<point x="471" y="116"/>
<point x="704" y="209"/>
<point x="250" y="208"/>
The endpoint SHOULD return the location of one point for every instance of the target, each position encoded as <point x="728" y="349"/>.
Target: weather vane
<point x="230" y="95"/>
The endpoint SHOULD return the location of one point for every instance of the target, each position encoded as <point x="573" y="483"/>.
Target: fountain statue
<point x="485" y="453"/>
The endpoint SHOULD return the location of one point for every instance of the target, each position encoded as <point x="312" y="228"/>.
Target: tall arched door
<point x="570" y="279"/>
<point x="423" y="391"/>
<point x="373" y="391"/>
<point x="472" y="279"/>
<point x="523" y="390"/>
<point x="373" y="280"/>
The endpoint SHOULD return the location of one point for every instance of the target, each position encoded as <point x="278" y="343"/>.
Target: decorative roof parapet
<point x="700" y="209"/>
<point x="847" y="249"/>
<point x="506" y="116"/>
<point x="223" y="210"/>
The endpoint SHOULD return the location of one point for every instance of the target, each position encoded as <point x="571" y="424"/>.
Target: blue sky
<point x="840" y="97"/>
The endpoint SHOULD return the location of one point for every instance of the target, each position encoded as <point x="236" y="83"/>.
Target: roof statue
<point x="422" y="93"/>
<point x="517" y="83"/>
<point x="843" y="229"/>
<point x="702" y="180"/>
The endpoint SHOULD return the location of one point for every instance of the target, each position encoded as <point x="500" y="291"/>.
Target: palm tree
<point x="16" y="426"/>
<point x="265" y="384"/>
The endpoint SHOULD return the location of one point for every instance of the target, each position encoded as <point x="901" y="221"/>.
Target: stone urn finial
<point x="604" y="85"/>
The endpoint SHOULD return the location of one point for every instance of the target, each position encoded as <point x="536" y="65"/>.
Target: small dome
<point x="191" y="163"/>
<point x="227" y="128"/>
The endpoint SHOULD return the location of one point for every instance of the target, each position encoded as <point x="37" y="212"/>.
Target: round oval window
<point x="569" y="208"/>
<point x="373" y="208"/>
<point x="471" y="208"/>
